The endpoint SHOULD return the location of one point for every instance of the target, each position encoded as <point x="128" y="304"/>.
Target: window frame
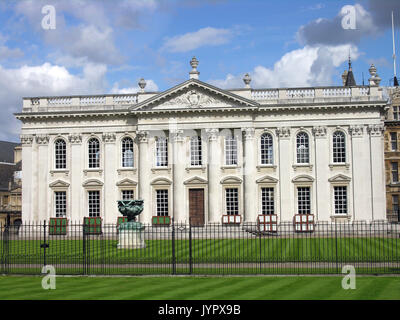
<point x="298" y="199"/>
<point x="232" y="149"/>
<point x="236" y="206"/>
<point x="57" y="154"/>
<point x="299" y="155"/>
<point x="56" y="203"/>
<point x="269" y="151"/>
<point x="339" y="152"/>
<point x="393" y="171"/>
<point x="273" y="212"/>
<point x="393" y="141"/>
<point x="90" y="152"/>
<point x="167" y="198"/>
<point x="131" y="146"/>
<point x="196" y="151"/>
<point x="336" y="206"/>
<point x="163" y="156"/>
<point x="99" y="204"/>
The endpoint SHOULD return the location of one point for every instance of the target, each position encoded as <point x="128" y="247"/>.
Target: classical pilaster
<point x="249" y="176"/>
<point x="110" y="192"/>
<point x="29" y="179"/>
<point x="43" y="165"/>
<point x="322" y="188"/>
<point x="144" y="168"/>
<point x="179" y="165"/>
<point x="286" y="191"/>
<point x="76" y="167"/>
<point x="214" y="193"/>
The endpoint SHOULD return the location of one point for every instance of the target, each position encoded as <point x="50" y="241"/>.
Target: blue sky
<point x="107" y="46"/>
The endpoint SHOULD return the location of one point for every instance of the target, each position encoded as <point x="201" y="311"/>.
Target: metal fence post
<point x="44" y="245"/>
<point x="336" y="248"/>
<point x="5" y="253"/>
<point x="190" y="248"/>
<point x="173" y="248"/>
<point x="84" y="249"/>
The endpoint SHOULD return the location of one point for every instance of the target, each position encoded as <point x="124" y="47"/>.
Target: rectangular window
<point x="267" y="201"/>
<point x="395" y="172"/>
<point x="340" y="194"/>
<point x="230" y="151"/>
<point x="395" y="203"/>
<point x="232" y="201"/>
<point x="396" y="113"/>
<point x="94" y="203"/>
<point x="60" y="201"/>
<point x="393" y="140"/>
<point x="195" y="151"/>
<point x="304" y="200"/>
<point x="162" y="203"/>
<point x="127" y="194"/>
<point x="161" y="152"/>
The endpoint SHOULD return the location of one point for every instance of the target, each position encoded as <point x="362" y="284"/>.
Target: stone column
<point x="110" y="190"/>
<point x="145" y="162"/>
<point x="286" y="192"/>
<point x="214" y="212"/>
<point x="249" y="176"/>
<point x="179" y="164"/>
<point x="76" y="194"/>
<point x="28" y="163"/>
<point x="41" y="189"/>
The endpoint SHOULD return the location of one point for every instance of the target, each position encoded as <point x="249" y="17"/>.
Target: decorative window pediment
<point x="340" y="178"/>
<point x="195" y="180"/>
<point x="267" y="179"/>
<point x="92" y="183"/>
<point x="59" y="184"/>
<point x="126" y="183"/>
<point x="231" y="180"/>
<point x="303" y="178"/>
<point x="161" y="182"/>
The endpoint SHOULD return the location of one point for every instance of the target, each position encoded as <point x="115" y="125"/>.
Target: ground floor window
<point x="162" y="202"/>
<point x="304" y="200"/>
<point x="127" y="195"/>
<point x="340" y="194"/>
<point x="395" y="203"/>
<point x="60" y="201"/>
<point x="267" y="201"/>
<point x="94" y="203"/>
<point x="232" y="201"/>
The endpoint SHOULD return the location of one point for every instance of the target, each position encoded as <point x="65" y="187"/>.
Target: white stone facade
<point x="197" y="108"/>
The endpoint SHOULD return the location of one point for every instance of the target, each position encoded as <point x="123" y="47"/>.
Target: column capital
<point x="356" y="130"/>
<point x="109" y="137"/>
<point x="248" y="133"/>
<point x="177" y="135"/>
<point x="142" y="136"/>
<point x="75" y="138"/>
<point x="375" y="130"/>
<point x="283" y="132"/>
<point x="319" y="131"/>
<point x="212" y="134"/>
<point x="26" y="139"/>
<point x="42" y="139"/>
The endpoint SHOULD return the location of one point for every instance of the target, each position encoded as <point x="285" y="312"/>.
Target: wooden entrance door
<point x="196" y="207"/>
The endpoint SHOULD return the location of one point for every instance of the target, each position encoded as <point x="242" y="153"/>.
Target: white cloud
<point x="45" y="79"/>
<point x="192" y="40"/>
<point x="308" y="66"/>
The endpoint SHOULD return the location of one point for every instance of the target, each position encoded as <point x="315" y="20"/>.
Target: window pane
<point x="127" y="195"/>
<point x="195" y="151"/>
<point x="232" y="201"/>
<point x="230" y="151"/>
<point x="303" y="200"/>
<point x="340" y="194"/>
<point x="60" y="202"/>
<point x="393" y="140"/>
<point x="60" y="154"/>
<point x="162" y="202"/>
<point x="162" y="152"/>
<point x="266" y="149"/>
<point x="395" y="203"/>
<point x="395" y="172"/>
<point x="267" y="201"/>
<point x="339" y="147"/>
<point x="94" y="203"/>
<point x="127" y="153"/>
<point x="94" y="153"/>
<point x="302" y="148"/>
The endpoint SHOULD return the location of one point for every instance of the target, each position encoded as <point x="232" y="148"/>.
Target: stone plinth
<point x="131" y="236"/>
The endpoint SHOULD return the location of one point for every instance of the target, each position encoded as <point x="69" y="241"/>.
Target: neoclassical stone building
<point x="210" y="154"/>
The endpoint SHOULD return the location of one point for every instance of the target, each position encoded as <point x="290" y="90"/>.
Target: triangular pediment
<point x="267" y="179"/>
<point x="59" y="184"/>
<point x="195" y="180"/>
<point x="194" y="94"/>
<point x="340" y="178"/>
<point x="126" y="183"/>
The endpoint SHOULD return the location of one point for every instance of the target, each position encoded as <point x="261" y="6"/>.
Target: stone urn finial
<point x="194" y="74"/>
<point x="247" y="80"/>
<point x="375" y="80"/>
<point x="142" y="84"/>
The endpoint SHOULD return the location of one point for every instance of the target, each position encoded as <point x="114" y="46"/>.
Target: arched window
<point x="339" y="147"/>
<point x="266" y="149"/>
<point x="60" y="154"/>
<point x="94" y="153"/>
<point x="303" y="148"/>
<point x="162" y="152"/>
<point x="127" y="152"/>
<point x="195" y="151"/>
<point x="230" y="151"/>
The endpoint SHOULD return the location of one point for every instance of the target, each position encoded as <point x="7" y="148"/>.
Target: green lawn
<point x="199" y="288"/>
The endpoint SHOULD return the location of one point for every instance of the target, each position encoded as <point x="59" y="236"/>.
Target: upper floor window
<point x="162" y="152"/>
<point x="195" y="151"/>
<point x="231" y="150"/>
<point x="395" y="172"/>
<point x="396" y="113"/>
<point x="60" y="154"/>
<point x="266" y="149"/>
<point x="127" y="152"/>
<point x="395" y="203"/>
<point x="302" y="147"/>
<point x="94" y="153"/>
<point x="339" y="147"/>
<point x="393" y="140"/>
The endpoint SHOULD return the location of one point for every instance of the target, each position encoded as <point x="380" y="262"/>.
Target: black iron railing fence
<point x="372" y="248"/>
